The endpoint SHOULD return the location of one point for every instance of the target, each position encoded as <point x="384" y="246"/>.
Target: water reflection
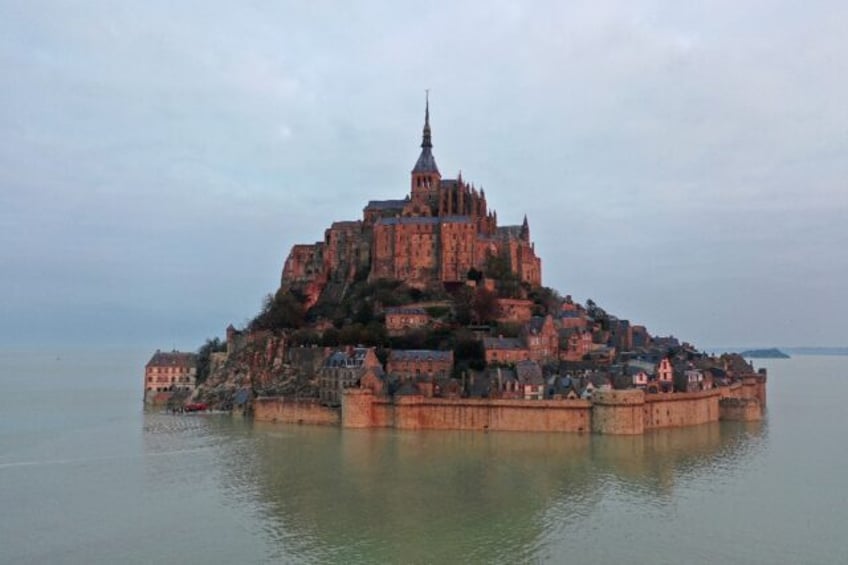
<point x="386" y="495"/>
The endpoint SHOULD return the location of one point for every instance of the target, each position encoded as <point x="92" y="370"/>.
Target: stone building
<point x="420" y="363"/>
<point x="170" y="371"/>
<point x="402" y="319"/>
<point x="345" y="369"/>
<point x="514" y="310"/>
<point x="505" y="350"/>
<point x="542" y="338"/>
<point x="577" y="343"/>
<point x="434" y="236"/>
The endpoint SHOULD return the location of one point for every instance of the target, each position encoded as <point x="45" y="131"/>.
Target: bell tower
<point x="425" y="174"/>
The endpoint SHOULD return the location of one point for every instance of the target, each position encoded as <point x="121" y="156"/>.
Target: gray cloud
<point x="682" y="166"/>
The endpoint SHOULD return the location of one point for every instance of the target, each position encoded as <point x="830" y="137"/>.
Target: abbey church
<point x="434" y="236"/>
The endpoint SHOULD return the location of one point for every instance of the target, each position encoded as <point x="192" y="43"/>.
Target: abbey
<point x="438" y="234"/>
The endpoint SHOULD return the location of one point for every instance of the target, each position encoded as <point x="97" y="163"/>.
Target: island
<point x="772" y="353"/>
<point x="428" y="313"/>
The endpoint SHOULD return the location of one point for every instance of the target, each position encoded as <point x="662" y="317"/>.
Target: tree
<point x="484" y="306"/>
<point x="204" y="355"/>
<point x="330" y="337"/>
<point x="284" y="310"/>
<point x="469" y="352"/>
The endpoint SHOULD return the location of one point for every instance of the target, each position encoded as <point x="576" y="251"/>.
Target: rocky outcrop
<point x="262" y="364"/>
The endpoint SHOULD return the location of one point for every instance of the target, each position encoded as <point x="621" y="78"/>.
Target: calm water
<point x="87" y="477"/>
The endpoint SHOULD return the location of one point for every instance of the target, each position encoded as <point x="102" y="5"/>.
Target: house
<point x="505" y="383"/>
<point x="530" y="380"/>
<point x="694" y="379"/>
<point x="417" y="363"/>
<point x="170" y="371"/>
<point x="665" y="372"/>
<point x="561" y="388"/>
<point x="344" y="369"/>
<point x="403" y="319"/>
<point x="541" y="338"/>
<point x="505" y="350"/>
<point x="639" y="377"/>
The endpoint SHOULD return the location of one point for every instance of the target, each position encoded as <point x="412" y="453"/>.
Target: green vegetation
<point x="358" y="302"/>
<point x="204" y="354"/>
<point x="283" y="310"/>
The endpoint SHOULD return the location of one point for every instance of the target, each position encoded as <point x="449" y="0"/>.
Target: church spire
<point x="426" y="163"/>
<point x="426" y="141"/>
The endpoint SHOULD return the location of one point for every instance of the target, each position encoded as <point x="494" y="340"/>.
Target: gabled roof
<point x="172" y="359"/>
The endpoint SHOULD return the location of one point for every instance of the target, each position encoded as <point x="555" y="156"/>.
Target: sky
<point x="684" y="166"/>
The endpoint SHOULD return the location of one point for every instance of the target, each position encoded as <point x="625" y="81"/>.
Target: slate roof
<point x="345" y="224"/>
<point x="386" y="204"/>
<point x="529" y="372"/>
<point x="172" y="359"/>
<point x="406" y="310"/>
<point x="343" y="359"/>
<point x="420" y="355"/>
<point x="502" y="343"/>
<point x="426" y="163"/>
<point x="506" y="375"/>
<point x="509" y="232"/>
<point x="424" y="220"/>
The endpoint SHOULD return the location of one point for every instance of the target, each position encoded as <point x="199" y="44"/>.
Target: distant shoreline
<point x="792" y="351"/>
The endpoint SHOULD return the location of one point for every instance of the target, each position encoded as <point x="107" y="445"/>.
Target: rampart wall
<point x="680" y="409"/>
<point x="615" y="412"/>
<point x="290" y="411"/>
<point x="361" y="409"/>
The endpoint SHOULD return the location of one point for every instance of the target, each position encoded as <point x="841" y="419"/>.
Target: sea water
<point x="87" y="476"/>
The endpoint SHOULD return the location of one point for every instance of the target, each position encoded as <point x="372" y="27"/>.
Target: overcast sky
<point x="684" y="167"/>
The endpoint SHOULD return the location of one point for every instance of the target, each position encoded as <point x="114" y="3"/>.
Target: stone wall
<point x="618" y="412"/>
<point x="679" y="409"/>
<point x="360" y="409"/>
<point x="289" y="411"/>
<point x="740" y="409"/>
<point x="614" y="412"/>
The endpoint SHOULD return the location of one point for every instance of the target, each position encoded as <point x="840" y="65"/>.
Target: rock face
<point x="261" y="363"/>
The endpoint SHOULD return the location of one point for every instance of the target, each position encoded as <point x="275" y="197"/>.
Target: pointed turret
<point x="525" y="229"/>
